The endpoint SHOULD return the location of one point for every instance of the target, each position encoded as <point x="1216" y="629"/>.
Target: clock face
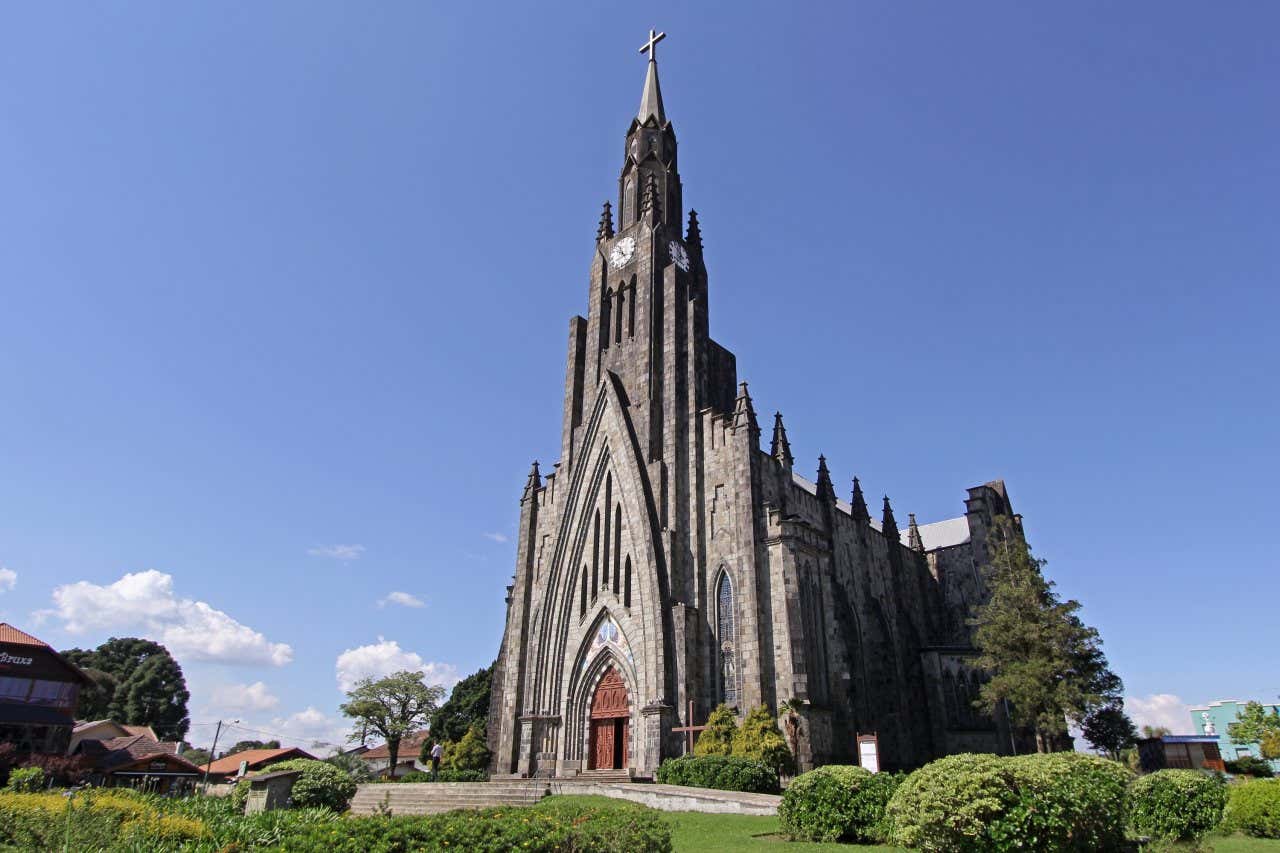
<point x="620" y="254"/>
<point x="679" y="256"/>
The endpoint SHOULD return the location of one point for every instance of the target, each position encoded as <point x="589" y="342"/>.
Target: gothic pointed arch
<point x="726" y="625"/>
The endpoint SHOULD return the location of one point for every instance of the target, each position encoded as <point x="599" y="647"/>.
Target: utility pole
<point x="213" y="753"/>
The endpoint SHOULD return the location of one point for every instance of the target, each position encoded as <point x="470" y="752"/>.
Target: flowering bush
<point x="91" y="820"/>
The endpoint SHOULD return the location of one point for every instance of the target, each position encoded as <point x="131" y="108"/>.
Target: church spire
<point x="914" y="540"/>
<point x="826" y="492"/>
<point x="694" y="238"/>
<point x="651" y="97"/>
<point x="781" y="448"/>
<point x="859" y="503"/>
<point x="533" y="483"/>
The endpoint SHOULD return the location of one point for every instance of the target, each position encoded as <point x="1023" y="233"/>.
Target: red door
<point x="609" y="713"/>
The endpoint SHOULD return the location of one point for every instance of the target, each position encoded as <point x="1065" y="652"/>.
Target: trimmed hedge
<point x="838" y="803"/>
<point x="722" y="772"/>
<point x="1254" y="808"/>
<point x="548" y="826"/>
<point x="1060" y="801"/>
<point x="1175" y="805"/>
<point x="99" y="820"/>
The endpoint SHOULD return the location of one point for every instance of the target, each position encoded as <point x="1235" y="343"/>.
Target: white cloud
<point x="496" y="537"/>
<point x="308" y="727"/>
<point x="346" y="553"/>
<point x="8" y="579"/>
<point x="244" y="697"/>
<point x="385" y="657"/>
<point x="404" y="599"/>
<point x="145" y="602"/>
<point x="1160" y="709"/>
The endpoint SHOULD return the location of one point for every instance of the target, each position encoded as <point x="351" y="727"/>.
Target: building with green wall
<point x="1214" y="718"/>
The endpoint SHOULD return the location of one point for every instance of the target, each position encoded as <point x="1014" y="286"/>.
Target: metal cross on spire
<point x="651" y="46"/>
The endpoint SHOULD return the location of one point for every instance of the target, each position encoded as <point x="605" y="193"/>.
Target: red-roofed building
<point x="138" y="761"/>
<point x="378" y="759"/>
<point x="253" y="759"/>
<point x="38" y="693"/>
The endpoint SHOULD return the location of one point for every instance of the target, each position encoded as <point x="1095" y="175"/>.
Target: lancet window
<point x="726" y="640"/>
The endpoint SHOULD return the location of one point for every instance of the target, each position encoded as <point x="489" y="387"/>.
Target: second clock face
<point x="679" y="256"/>
<point x="620" y="254"/>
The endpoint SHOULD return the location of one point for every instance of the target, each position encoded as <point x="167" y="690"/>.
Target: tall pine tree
<point x="136" y="682"/>
<point x="1044" y="661"/>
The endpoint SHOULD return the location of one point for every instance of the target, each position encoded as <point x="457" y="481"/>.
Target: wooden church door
<point x="609" y="724"/>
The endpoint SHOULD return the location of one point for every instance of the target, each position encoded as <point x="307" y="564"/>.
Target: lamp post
<point x="213" y="752"/>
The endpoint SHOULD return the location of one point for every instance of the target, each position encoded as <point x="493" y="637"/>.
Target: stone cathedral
<point x="668" y="559"/>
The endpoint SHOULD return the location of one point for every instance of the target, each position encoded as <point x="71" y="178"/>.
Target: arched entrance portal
<point x="610" y="724"/>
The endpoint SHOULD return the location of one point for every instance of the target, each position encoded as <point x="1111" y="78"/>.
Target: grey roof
<point x="942" y="534"/>
<point x="651" y="98"/>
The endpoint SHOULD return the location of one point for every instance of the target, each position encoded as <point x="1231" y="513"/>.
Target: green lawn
<point x="695" y="832"/>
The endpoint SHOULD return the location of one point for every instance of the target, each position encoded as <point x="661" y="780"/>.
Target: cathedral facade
<point x="668" y="563"/>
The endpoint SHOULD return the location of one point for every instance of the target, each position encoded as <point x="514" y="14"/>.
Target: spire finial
<point x="859" y="503"/>
<point x="532" y="484"/>
<point x="914" y="540"/>
<point x="694" y="238"/>
<point x="651" y="97"/>
<point x="605" y="231"/>
<point x="651" y="203"/>
<point x="744" y="414"/>
<point x="825" y="490"/>
<point x="888" y="524"/>
<point x="781" y="448"/>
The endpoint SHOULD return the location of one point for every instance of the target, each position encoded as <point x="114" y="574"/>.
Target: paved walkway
<point x="434" y="797"/>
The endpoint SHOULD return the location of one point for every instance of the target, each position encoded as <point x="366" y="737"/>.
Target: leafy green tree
<point x="1109" y="729"/>
<point x="198" y="757"/>
<point x="1044" y="661"/>
<point x="243" y="745"/>
<point x="1150" y="731"/>
<point x="471" y="753"/>
<point x="145" y="684"/>
<point x="1255" y="725"/>
<point x="758" y="737"/>
<point x="717" y="738"/>
<point x="355" y="766"/>
<point x="467" y="704"/>
<point x="394" y="706"/>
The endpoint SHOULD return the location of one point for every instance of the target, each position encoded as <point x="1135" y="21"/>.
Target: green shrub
<point x="759" y="738"/>
<point x="717" y="738"/>
<point x="321" y="785"/>
<point x="471" y="753"/>
<point x="1173" y="805"/>
<point x="1059" y="801"/>
<point x="723" y="772"/>
<point x="1254" y="808"/>
<point x="1250" y="765"/>
<point x="446" y="775"/>
<point x="607" y="827"/>
<point x="838" y="803"/>
<point x="26" y="780"/>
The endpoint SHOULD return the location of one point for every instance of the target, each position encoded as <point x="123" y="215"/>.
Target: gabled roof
<point x="10" y="634"/>
<point x="228" y="764"/>
<point x="943" y="534"/>
<point x="410" y="746"/>
<point x="117" y="752"/>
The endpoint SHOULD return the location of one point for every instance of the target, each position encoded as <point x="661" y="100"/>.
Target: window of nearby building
<point x="14" y="688"/>
<point x="60" y="694"/>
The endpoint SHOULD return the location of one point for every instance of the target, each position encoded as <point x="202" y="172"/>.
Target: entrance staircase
<point x="624" y="775"/>
<point x="435" y="797"/>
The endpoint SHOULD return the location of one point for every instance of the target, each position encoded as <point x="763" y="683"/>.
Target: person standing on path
<point x="436" y="752"/>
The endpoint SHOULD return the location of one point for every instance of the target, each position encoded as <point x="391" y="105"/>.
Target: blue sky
<point x="286" y="288"/>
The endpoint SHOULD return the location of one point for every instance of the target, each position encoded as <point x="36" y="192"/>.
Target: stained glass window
<point x="725" y="636"/>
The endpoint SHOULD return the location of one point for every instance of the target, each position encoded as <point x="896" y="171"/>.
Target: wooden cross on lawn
<point x="689" y="730"/>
